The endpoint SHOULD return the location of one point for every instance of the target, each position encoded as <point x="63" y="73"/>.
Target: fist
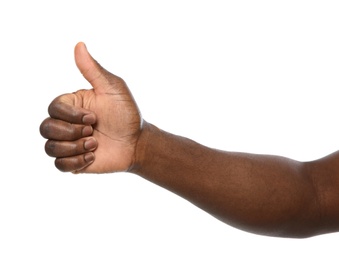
<point x="93" y="130"/>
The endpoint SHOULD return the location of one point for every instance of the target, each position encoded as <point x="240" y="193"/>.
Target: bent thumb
<point x="100" y="79"/>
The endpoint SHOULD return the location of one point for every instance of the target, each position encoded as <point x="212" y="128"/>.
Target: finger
<point x="74" y="163"/>
<point x="101" y="80"/>
<point x="63" y="108"/>
<point x="66" y="149"/>
<point x="56" y="129"/>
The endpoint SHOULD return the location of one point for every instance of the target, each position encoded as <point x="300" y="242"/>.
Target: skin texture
<point x="100" y="130"/>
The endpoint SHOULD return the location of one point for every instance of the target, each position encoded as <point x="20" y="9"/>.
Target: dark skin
<point x="100" y="130"/>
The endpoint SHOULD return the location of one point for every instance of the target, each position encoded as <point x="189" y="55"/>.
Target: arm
<point x="263" y="194"/>
<point x="100" y="130"/>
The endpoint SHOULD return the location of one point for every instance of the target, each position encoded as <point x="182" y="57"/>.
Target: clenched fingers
<point x="63" y="108"/>
<point x="55" y="129"/>
<point x="75" y="163"/>
<point x="67" y="148"/>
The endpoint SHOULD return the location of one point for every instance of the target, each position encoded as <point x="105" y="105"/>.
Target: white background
<point x="250" y="76"/>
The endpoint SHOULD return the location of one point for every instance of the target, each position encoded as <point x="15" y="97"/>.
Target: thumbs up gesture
<point x="93" y="130"/>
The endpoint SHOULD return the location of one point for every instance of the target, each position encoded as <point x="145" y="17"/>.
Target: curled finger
<point x="70" y="148"/>
<point x="63" y="108"/>
<point x="56" y="129"/>
<point x="74" y="163"/>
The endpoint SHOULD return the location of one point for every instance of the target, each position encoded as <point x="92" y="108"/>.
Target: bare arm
<point x="263" y="194"/>
<point x="100" y="130"/>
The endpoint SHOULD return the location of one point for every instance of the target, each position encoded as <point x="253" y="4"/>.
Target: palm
<point x="117" y="128"/>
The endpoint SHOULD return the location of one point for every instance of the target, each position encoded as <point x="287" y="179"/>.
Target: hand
<point x="93" y="130"/>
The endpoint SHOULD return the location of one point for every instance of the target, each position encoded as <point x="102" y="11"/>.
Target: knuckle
<point x="73" y="148"/>
<point x="45" y="127"/>
<point x="60" y="164"/>
<point x="73" y="132"/>
<point x="50" y="148"/>
<point x="54" y="106"/>
<point x="74" y="113"/>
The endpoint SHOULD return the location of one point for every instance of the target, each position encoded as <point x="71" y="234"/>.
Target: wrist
<point x="141" y="147"/>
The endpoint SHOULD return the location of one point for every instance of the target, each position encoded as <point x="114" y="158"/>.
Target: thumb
<point x="101" y="80"/>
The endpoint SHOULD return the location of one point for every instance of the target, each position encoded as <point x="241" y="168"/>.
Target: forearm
<point x="262" y="194"/>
